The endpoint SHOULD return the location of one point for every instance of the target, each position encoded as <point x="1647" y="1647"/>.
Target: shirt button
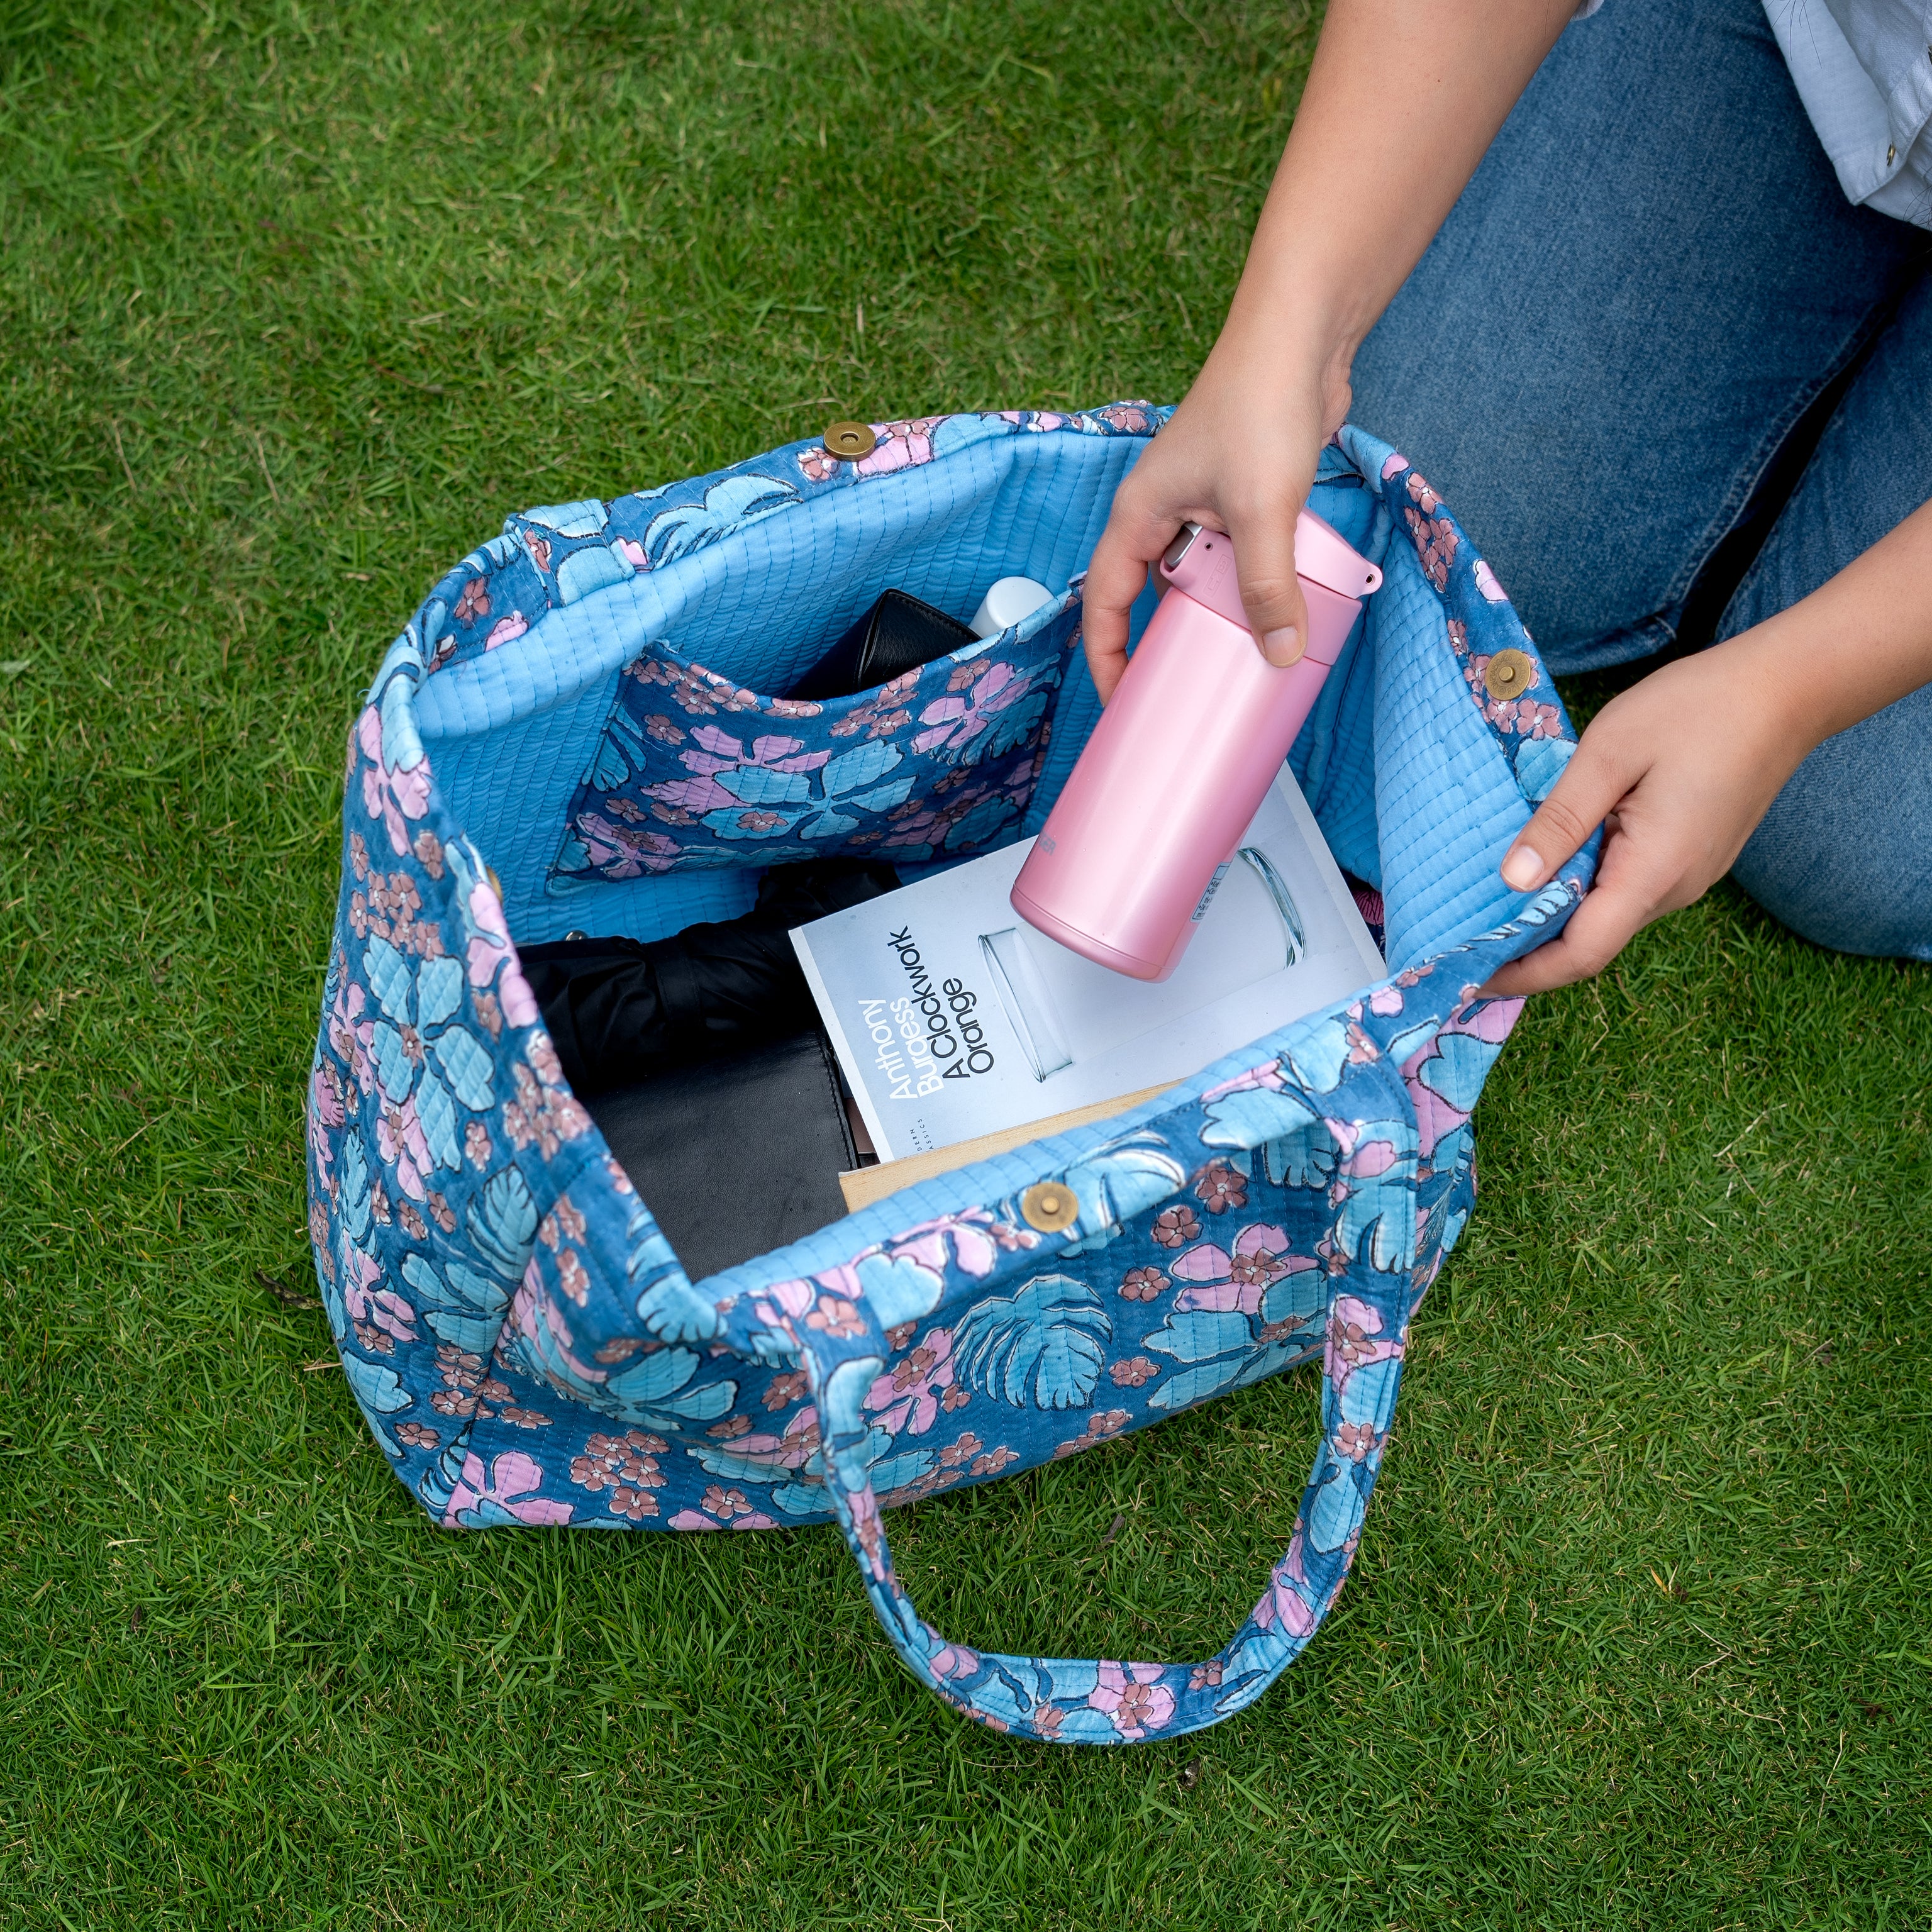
<point x="850" y="442"/>
<point x="1508" y="674"/>
<point x="1050" y="1206"/>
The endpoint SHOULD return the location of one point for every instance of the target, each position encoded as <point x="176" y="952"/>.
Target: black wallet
<point x="898" y="634"/>
<point x="737" y="1157"/>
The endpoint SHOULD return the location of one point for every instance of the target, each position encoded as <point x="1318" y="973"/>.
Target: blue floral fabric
<point x="527" y="1349"/>
<point x="694" y="771"/>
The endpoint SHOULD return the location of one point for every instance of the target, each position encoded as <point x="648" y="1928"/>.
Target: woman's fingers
<point x="1263" y="541"/>
<point x="1592" y="785"/>
<point x="1116" y="576"/>
<point x="1611" y="915"/>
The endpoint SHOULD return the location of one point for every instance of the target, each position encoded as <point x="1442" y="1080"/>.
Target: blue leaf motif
<point x="585" y="571"/>
<point x="437" y="1112"/>
<point x="1114" y="1182"/>
<point x="1461" y="1065"/>
<point x="898" y="1290"/>
<point x="864" y="765"/>
<point x="1199" y="1334"/>
<point x="503" y="1224"/>
<point x="467" y="1066"/>
<point x="1193" y="1385"/>
<point x="379" y="1389"/>
<point x="390" y="980"/>
<point x="585" y="518"/>
<point x="689" y="527"/>
<point x="1254" y="1114"/>
<point x="758" y="785"/>
<point x="439" y="989"/>
<point x="1043" y="1347"/>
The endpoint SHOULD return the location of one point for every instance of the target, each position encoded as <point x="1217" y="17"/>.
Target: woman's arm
<point x="1337" y="237"/>
<point x="1681" y="767"/>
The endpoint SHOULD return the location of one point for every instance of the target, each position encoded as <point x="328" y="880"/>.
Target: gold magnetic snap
<point x="1508" y="674"/>
<point x="850" y="442"/>
<point x="1050" y="1206"/>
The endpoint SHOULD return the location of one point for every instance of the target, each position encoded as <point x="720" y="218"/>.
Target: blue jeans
<point x="1670" y="381"/>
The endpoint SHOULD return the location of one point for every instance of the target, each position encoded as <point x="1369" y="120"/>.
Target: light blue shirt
<point x="1863" y="71"/>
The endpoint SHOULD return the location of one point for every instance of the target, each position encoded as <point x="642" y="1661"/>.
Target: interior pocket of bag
<point x="692" y="771"/>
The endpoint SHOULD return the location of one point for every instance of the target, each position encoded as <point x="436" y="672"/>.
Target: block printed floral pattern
<point x="520" y="1338"/>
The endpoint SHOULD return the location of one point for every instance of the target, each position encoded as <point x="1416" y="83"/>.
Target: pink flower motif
<point x="505" y="630"/>
<point x="955" y="1660"/>
<point x="1045" y="1720"/>
<point x="1435" y="544"/>
<point x="1142" y="1284"/>
<point x="509" y="1484"/>
<point x="901" y="445"/>
<point x="1285" y="1605"/>
<point x="1393" y="466"/>
<point x="1268" y="1077"/>
<point x="393" y="796"/>
<point x="908" y="1398"/>
<point x="1425" y="498"/>
<point x="474" y="602"/>
<point x="1221" y="1186"/>
<point x="1134" y="1372"/>
<point x="818" y="464"/>
<point x="380" y="1310"/>
<point x="1355" y="1441"/>
<point x="623" y="852"/>
<point x="719" y="751"/>
<point x="994" y="1460"/>
<point x="326" y="1111"/>
<point x="955" y="720"/>
<point x="1385" y="1002"/>
<point x="1133" y="1695"/>
<point x="1226" y="1282"/>
<point x="977" y="1239"/>
<point x="1486" y="582"/>
<point x="836" y="1317"/>
<point x="1355" y="1340"/>
<point x="724" y="1503"/>
<point x="400" y="1135"/>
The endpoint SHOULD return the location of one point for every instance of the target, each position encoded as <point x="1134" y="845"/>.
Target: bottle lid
<point x="1325" y="556"/>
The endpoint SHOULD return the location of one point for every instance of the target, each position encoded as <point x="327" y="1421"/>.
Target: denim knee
<point x="1844" y="855"/>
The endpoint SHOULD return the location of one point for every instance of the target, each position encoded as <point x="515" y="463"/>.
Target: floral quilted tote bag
<point x="578" y="730"/>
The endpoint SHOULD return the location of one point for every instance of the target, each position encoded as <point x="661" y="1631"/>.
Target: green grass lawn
<point x="296" y="300"/>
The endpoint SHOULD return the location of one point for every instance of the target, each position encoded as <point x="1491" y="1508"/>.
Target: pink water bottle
<point x="1183" y="754"/>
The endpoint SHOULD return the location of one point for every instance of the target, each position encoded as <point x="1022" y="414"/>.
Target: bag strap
<point x="1096" y="1700"/>
<point x="1374" y="1287"/>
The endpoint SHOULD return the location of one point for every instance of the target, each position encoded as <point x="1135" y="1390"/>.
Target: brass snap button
<point x="1050" y="1206"/>
<point x="850" y="442"/>
<point x="1508" y="674"/>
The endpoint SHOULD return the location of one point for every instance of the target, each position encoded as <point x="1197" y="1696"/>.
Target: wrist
<point x="1780" y="672"/>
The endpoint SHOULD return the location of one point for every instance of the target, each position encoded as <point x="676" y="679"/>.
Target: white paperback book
<point x="953" y="1018"/>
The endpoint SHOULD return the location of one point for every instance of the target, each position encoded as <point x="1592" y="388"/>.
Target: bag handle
<point x="1097" y="1700"/>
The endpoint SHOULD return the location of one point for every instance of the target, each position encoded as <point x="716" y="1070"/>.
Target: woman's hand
<point x="1340" y="231"/>
<point x="1239" y="456"/>
<point x="1678" y="770"/>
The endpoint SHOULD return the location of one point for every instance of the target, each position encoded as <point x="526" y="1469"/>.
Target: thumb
<point x="1270" y="591"/>
<point x="1592" y="785"/>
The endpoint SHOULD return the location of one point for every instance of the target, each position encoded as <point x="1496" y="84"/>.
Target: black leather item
<point x="898" y="634"/>
<point x="735" y="1156"/>
<point x="622" y="1010"/>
